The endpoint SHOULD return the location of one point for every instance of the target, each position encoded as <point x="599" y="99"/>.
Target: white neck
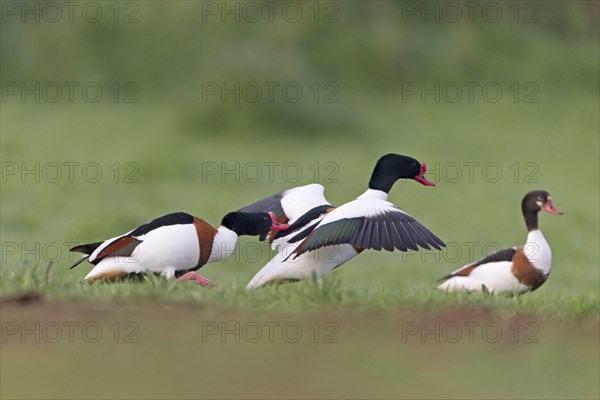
<point x="374" y="194"/>
<point x="223" y="244"/>
<point x="538" y="251"/>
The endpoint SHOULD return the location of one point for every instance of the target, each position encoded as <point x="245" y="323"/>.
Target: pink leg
<point x="196" y="278"/>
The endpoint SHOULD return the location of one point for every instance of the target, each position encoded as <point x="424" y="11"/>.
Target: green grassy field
<point x="82" y="172"/>
<point x="472" y="217"/>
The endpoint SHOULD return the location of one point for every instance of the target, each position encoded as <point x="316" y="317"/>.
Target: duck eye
<point x="541" y="198"/>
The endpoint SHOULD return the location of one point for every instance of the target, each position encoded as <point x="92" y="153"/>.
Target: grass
<point x="309" y="296"/>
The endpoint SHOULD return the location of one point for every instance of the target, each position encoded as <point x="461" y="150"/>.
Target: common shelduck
<point x="174" y="245"/>
<point x="321" y="237"/>
<point x="515" y="270"/>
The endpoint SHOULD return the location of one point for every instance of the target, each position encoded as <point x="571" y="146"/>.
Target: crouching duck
<point x="174" y="245"/>
<point x="321" y="237"/>
<point x="515" y="270"/>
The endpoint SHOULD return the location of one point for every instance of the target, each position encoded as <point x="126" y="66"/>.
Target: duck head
<point x="252" y="224"/>
<point x="392" y="167"/>
<point x="538" y="200"/>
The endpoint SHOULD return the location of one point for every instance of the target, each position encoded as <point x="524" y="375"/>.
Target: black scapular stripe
<point x="309" y="216"/>
<point x="304" y="233"/>
<point x="502" y="255"/>
<point x="178" y="218"/>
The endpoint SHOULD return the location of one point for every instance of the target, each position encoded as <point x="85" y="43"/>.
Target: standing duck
<point x="174" y="245"/>
<point x="326" y="237"/>
<point x="515" y="270"/>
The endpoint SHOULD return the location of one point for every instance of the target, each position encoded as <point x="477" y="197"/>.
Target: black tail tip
<point x="79" y="262"/>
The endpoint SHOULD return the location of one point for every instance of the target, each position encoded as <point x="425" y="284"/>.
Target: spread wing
<point x="370" y="225"/>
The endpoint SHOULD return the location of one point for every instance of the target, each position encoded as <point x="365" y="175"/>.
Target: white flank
<point x="163" y="250"/>
<point x="316" y="263"/>
<point x="496" y="276"/>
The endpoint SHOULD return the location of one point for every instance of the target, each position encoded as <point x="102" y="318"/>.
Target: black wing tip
<point x="87" y="248"/>
<point x="435" y="245"/>
<point x="79" y="262"/>
<point x="431" y="239"/>
<point x="82" y="248"/>
<point x="297" y="254"/>
<point x="293" y="256"/>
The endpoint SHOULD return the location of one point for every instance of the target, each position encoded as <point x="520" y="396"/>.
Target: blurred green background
<point x="159" y="130"/>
